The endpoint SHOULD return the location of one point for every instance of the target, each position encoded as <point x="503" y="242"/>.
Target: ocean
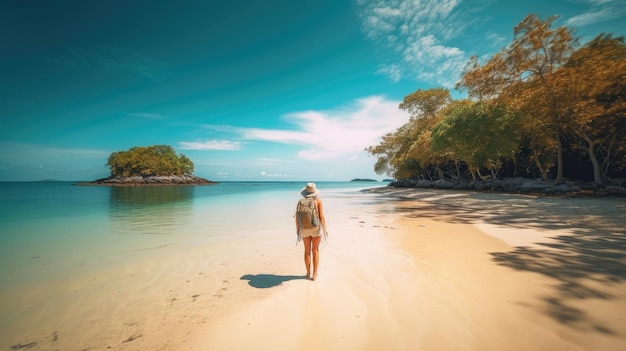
<point x="65" y="224"/>
<point x="73" y="255"/>
<point x="98" y="268"/>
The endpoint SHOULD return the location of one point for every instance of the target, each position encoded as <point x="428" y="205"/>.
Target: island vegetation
<point x="363" y="180"/>
<point x="157" y="160"/>
<point x="150" y="165"/>
<point x="543" y="107"/>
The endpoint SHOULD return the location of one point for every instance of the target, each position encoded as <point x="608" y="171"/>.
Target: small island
<point x="363" y="180"/>
<point x="149" y="166"/>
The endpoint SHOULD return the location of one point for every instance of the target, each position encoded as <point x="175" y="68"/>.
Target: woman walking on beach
<point x="310" y="222"/>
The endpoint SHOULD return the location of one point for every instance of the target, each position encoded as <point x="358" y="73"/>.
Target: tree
<point x="185" y="165"/>
<point x="156" y="160"/>
<point x="593" y="85"/>
<point x="521" y="76"/>
<point x="406" y="152"/>
<point x="392" y="153"/>
<point x="480" y="133"/>
<point x="426" y="103"/>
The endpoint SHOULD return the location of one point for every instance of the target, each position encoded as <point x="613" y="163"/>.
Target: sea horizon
<point x="354" y="180"/>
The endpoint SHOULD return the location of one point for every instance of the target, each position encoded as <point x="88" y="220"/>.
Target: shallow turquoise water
<point x="47" y="227"/>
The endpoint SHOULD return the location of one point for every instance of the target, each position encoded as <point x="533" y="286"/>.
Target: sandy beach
<point x="409" y="270"/>
<point x="443" y="271"/>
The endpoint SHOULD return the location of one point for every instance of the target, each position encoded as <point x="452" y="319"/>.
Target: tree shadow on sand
<point x="264" y="281"/>
<point x="587" y="263"/>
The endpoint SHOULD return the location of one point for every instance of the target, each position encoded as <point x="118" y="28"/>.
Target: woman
<point x="311" y="233"/>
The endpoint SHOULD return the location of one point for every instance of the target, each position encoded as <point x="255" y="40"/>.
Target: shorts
<point x="313" y="232"/>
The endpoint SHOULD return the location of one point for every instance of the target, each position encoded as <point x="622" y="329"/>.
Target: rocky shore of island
<point x="518" y="185"/>
<point x="150" y="181"/>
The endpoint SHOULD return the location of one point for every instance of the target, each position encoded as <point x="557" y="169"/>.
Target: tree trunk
<point x="472" y="173"/>
<point x="597" y="175"/>
<point x="591" y="146"/>
<point x="544" y="173"/>
<point x="559" y="158"/>
<point x="429" y="176"/>
<point x="480" y="175"/>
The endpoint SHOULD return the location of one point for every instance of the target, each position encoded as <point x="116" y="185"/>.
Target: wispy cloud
<point x="393" y="71"/>
<point x="225" y="145"/>
<point x="601" y="2"/>
<point x="146" y="115"/>
<point x="274" y="175"/>
<point x="599" y="11"/>
<point x="417" y="31"/>
<point x="495" y="40"/>
<point x="324" y="135"/>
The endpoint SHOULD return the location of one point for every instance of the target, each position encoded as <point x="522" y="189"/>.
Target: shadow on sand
<point x="264" y="281"/>
<point x="588" y="263"/>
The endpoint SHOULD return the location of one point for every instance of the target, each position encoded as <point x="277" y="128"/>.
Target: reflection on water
<point x="150" y="210"/>
<point x="149" y="195"/>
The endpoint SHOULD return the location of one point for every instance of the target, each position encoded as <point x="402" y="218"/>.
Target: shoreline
<point x="148" y="181"/>
<point x="568" y="188"/>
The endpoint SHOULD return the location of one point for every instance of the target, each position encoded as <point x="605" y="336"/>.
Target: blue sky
<point x="248" y="90"/>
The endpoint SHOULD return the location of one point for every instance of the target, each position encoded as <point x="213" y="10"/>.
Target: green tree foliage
<point x="406" y="153"/>
<point x="156" y="160"/>
<point x="479" y="133"/>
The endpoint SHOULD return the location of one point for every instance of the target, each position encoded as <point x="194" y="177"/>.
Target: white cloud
<point x="333" y="134"/>
<point x="314" y="144"/>
<point x="601" y="2"/>
<point x="224" y="145"/>
<point x="392" y="71"/>
<point x="594" y="15"/>
<point x="495" y="39"/>
<point x="146" y="115"/>
<point x="273" y="175"/>
<point x="418" y="31"/>
<point x="279" y="136"/>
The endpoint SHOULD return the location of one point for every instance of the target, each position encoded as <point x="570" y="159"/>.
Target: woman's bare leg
<point x="315" y="243"/>
<point x="307" y="255"/>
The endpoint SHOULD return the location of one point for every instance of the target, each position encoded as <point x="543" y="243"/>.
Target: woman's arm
<point x="297" y="224"/>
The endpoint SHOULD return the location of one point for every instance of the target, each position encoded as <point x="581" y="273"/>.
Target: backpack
<point x="306" y="213"/>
